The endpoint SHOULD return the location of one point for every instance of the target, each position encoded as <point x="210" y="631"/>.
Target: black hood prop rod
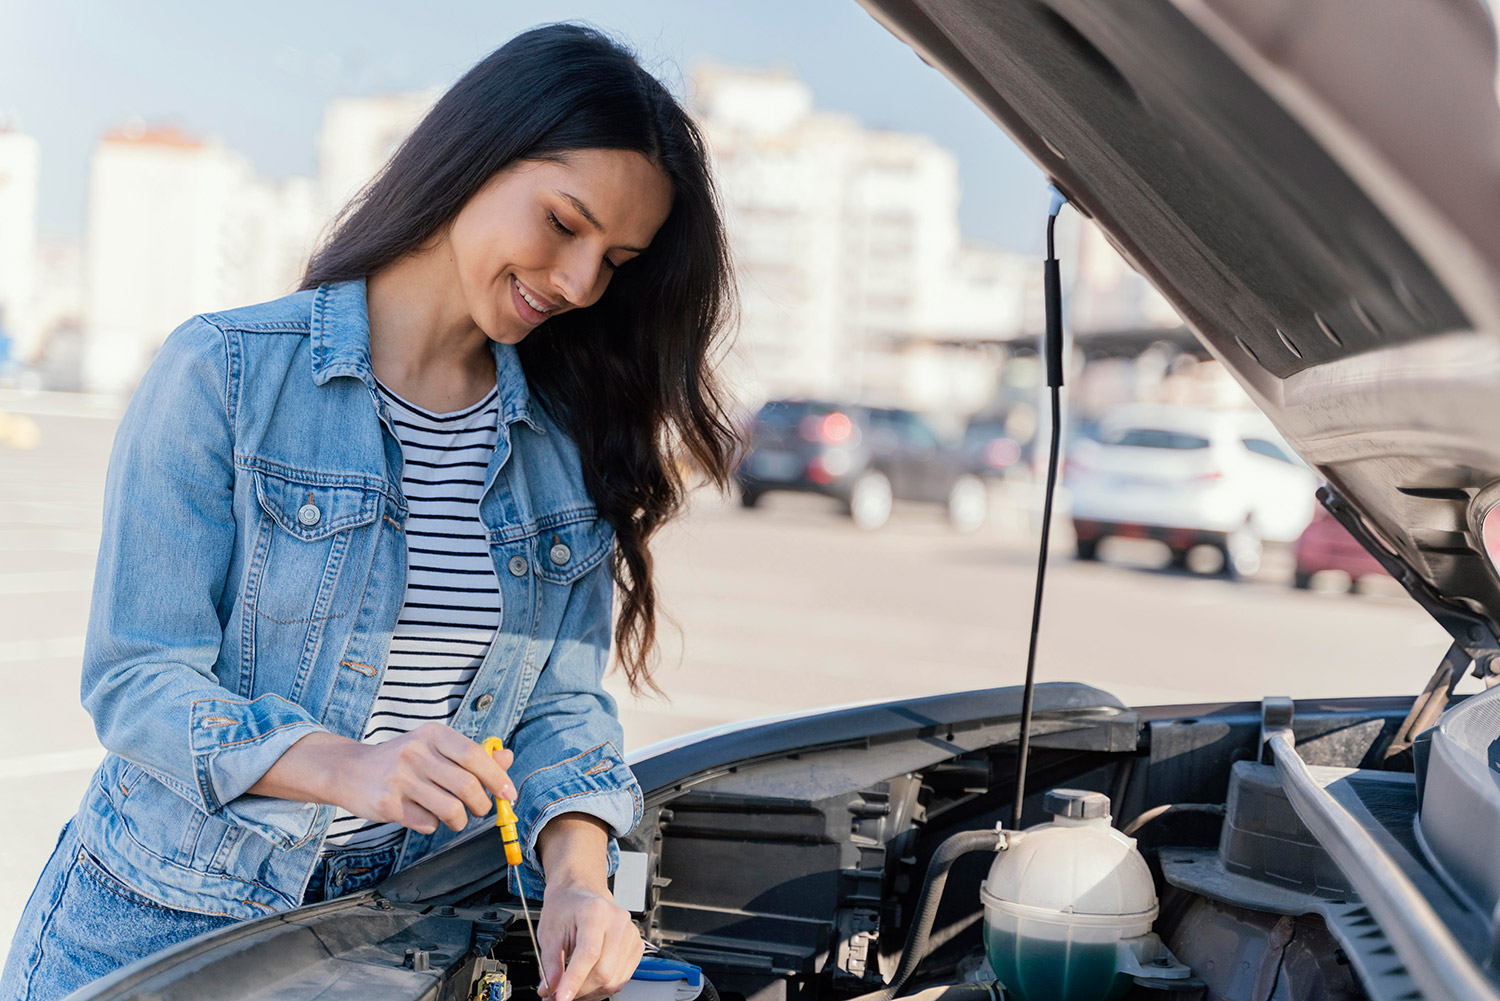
<point x="1052" y="349"/>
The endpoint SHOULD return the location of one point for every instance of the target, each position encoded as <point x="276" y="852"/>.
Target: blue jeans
<point x="61" y="942"/>
<point x="350" y="872"/>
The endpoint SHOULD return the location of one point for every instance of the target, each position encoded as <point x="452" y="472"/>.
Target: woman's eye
<point x="558" y="226"/>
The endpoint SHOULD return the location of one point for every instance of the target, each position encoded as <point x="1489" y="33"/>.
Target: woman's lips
<point x="527" y="312"/>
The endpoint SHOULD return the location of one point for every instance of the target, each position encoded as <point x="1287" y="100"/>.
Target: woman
<point x="350" y="533"/>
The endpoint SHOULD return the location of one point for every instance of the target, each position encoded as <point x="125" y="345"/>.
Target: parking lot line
<point x="42" y="648"/>
<point x="46" y="582"/>
<point x="51" y="763"/>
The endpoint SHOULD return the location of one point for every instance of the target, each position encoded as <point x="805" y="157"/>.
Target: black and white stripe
<point x="452" y="605"/>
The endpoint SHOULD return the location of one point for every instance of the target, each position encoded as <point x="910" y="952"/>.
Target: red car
<point x="1327" y="545"/>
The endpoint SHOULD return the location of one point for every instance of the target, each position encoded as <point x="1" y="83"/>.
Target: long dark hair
<point x="630" y="377"/>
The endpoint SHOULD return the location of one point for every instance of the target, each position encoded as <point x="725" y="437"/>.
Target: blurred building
<point x="178" y="226"/>
<point x="358" y="135"/>
<point x="1107" y="294"/>
<point x="18" y="198"/>
<point x="847" y="247"/>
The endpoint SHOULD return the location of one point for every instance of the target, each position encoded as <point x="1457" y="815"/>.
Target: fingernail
<point x="510" y="792"/>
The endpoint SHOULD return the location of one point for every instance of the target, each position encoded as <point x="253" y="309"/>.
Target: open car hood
<point x="1314" y="185"/>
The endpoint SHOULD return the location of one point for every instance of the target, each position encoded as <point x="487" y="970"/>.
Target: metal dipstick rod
<point x="506" y="820"/>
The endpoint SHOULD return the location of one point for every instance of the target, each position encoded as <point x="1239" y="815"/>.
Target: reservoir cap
<point x="1079" y="804"/>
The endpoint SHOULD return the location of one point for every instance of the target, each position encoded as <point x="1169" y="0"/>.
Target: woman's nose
<point x="578" y="280"/>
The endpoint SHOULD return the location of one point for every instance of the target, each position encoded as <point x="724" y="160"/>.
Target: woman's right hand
<point x="431" y="775"/>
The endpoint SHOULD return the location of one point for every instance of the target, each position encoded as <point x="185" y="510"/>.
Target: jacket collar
<point x="341" y="346"/>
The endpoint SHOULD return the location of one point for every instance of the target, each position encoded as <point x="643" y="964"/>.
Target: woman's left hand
<point x="587" y="943"/>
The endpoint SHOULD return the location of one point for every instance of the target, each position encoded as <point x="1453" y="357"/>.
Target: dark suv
<point x="866" y="457"/>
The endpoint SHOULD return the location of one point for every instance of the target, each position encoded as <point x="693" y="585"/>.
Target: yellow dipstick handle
<point x="505" y="816"/>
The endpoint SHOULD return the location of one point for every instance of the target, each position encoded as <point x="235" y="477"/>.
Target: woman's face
<point x="544" y="236"/>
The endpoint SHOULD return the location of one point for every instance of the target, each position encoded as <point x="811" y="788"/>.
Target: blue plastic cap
<point x="1058" y="201"/>
<point x="659" y="968"/>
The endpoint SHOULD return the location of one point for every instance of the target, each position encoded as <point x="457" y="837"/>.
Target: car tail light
<point x="832" y="429"/>
<point x="818" y="472"/>
<point x="1208" y="477"/>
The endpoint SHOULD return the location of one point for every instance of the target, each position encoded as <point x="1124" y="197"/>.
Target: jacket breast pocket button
<point x="309" y="514"/>
<point x="560" y="553"/>
<point x="484" y="702"/>
<point x="517" y="566"/>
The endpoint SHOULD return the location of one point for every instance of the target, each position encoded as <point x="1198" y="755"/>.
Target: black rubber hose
<point x="709" y="991"/>
<point x="927" y="904"/>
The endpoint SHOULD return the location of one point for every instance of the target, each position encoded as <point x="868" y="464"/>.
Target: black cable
<point x="1054" y="354"/>
<point x="915" y="950"/>
<point x="709" y="992"/>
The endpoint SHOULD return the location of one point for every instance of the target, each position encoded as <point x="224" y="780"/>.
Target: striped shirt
<point x="452" y="605"/>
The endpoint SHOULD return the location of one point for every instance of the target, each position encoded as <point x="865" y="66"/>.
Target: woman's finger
<point x="461" y="783"/>
<point x="442" y="805"/>
<point x="581" y="963"/>
<point x="622" y="954"/>
<point x="471" y="757"/>
<point x="416" y="818"/>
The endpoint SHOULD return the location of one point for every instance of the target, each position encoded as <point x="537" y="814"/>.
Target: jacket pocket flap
<point x="312" y="510"/>
<point x="568" y="551"/>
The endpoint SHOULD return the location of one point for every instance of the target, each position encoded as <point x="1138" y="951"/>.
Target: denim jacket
<point x="250" y="573"/>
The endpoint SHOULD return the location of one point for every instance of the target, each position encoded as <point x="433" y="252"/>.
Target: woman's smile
<point x="532" y="308"/>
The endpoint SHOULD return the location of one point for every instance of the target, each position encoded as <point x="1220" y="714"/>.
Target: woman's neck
<point x="423" y="344"/>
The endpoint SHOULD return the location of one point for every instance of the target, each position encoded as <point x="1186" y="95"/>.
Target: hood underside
<point x="1315" y="186"/>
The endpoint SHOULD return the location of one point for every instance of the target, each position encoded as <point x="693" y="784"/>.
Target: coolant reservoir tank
<point x="1068" y="905"/>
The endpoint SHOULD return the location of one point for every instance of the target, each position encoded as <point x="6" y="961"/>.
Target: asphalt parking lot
<point x="785" y="608"/>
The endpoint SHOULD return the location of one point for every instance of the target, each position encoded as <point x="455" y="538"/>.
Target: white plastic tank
<point x="1068" y="906"/>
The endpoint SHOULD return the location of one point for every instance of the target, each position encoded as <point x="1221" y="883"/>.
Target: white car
<point x="1189" y="477"/>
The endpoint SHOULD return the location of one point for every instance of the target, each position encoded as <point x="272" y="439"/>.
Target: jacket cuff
<point x="234" y="744"/>
<point x="596" y="782"/>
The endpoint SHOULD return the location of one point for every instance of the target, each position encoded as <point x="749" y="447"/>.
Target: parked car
<point x="1326" y="545"/>
<point x="1188" y="477"/>
<point x="994" y="449"/>
<point x="866" y="457"/>
<point x="1313" y="186"/>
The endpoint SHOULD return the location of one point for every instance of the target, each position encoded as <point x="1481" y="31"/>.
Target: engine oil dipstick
<point x="506" y="820"/>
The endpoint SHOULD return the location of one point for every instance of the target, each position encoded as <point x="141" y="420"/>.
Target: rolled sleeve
<point x="234" y="743"/>
<point x="567" y="743"/>
<point x="154" y="633"/>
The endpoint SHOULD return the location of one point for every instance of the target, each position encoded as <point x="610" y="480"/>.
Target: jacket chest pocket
<point x="313" y="540"/>
<point x="565" y="552"/>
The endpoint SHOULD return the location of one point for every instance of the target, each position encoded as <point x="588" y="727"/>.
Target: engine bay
<point x="791" y="861"/>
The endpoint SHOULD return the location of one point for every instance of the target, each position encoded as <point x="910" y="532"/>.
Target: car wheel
<point x="968" y="504"/>
<point x="1301" y="579"/>
<point x="1087" y="549"/>
<point x="1242" y="549"/>
<point x="870" y="501"/>
<point x="749" y="498"/>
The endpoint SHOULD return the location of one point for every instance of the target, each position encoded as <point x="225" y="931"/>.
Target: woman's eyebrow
<point x="583" y="210"/>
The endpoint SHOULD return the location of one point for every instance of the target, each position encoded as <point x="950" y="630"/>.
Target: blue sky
<point x="257" y="76"/>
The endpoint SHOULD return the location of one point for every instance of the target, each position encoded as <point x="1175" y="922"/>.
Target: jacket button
<point x="309" y="514"/>
<point x="517" y="566"/>
<point x="484" y="702"/>
<point x="560" y="553"/>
